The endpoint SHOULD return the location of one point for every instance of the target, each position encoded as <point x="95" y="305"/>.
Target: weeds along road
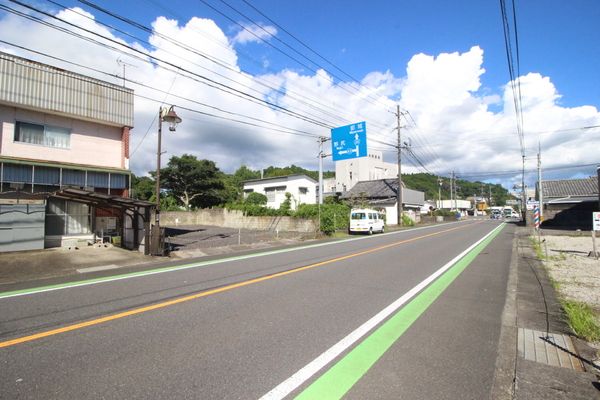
<point x="407" y="314"/>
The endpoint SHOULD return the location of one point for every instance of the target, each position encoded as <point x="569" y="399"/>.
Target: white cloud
<point x="254" y="33"/>
<point x="451" y="125"/>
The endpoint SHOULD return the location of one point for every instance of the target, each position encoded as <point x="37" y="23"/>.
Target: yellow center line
<point x="203" y="294"/>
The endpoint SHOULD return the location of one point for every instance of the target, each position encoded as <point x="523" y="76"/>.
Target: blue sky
<point x="444" y="62"/>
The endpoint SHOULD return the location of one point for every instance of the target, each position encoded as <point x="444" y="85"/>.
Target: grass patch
<point x="537" y="247"/>
<point x="582" y="319"/>
<point x="338" y="234"/>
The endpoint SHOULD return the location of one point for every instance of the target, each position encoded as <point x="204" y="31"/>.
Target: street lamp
<point x="171" y="118"/>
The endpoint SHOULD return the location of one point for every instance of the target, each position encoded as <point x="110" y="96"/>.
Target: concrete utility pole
<point x="453" y="177"/>
<point x="399" y="193"/>
<point x="540" y="197"/>
<point x="321" y="156"/>
<point x="440" y="181"/>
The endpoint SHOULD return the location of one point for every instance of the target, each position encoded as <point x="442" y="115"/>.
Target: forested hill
<point x="430" y="184"/>
<point x="293" y="170"/>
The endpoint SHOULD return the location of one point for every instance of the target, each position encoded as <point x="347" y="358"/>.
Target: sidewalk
<point x="80" y="262"/>
<point x="539" y="357"/>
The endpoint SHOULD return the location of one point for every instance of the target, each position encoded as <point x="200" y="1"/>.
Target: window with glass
<point x="67" y="218"/>
<point x="43" y="135"/>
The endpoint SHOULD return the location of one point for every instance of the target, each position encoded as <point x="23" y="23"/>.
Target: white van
<point x="367" y="221"/>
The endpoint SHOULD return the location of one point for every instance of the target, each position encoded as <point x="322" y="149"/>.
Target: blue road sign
<point x="349" y="141"/>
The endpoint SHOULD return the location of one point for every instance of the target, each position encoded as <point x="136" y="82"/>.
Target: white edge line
<point x="290" y="384"/>
<point x="201" y="264"/>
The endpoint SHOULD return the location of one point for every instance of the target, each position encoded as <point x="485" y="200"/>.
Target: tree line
<point x="188" y="183"/>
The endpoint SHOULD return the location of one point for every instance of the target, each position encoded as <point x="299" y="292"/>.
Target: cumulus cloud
<point x="450" y="123"/>
<point x="254" y="33"/>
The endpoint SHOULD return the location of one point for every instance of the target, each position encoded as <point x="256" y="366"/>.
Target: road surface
<point x="407" y="314"/>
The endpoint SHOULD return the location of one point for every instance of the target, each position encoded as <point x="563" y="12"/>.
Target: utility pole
<point x="540" y="197"/>
<point x="321" y="156"/>
<point x="440" y="181"/>
<point x="453" y="187"/>
<point x="399" y="193"/>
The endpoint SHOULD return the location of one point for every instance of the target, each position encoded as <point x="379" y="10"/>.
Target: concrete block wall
<point x="236" y="219"/>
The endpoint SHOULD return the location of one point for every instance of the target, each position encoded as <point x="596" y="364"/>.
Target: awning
<point x="100" y="199"/>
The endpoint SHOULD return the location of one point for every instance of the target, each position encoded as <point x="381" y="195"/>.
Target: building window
<point x="270" y="192"/>
<point x="67" y="218"/>
<point x="302" y="190"/>
<point x="50" y="136"/>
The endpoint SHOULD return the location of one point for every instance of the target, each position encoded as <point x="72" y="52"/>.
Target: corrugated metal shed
<point x="34" y="85"/>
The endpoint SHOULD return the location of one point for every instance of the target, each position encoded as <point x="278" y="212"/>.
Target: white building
<point x="369" y="168"/>
<point x="303" y="189"/>
<point x="455" y="205"/>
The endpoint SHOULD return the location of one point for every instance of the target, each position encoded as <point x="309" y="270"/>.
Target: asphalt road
<point x="238" y="329"/>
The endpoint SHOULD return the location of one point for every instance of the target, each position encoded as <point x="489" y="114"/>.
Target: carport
<point x="136" y="214"/>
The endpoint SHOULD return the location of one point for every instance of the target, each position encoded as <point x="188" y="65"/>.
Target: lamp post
<point x="171" y="118"/>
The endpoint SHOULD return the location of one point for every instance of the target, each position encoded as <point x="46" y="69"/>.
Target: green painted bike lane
<point x="334" y="383"/>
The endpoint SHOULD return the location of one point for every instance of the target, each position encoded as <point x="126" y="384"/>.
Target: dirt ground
<point x="193" y="237"/>
<point x="577" y="274"/>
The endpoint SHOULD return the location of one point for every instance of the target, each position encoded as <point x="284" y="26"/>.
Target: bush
<point x="253" y="210"/>
<point x="332" y="216"/>
<point x="444" y="213"/>
<point x="256" y="198"/>
<point x="407" y="221"/>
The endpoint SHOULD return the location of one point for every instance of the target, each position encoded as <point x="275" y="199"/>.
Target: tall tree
<point x="192" y="182"/>
<point x="142" y="188"/>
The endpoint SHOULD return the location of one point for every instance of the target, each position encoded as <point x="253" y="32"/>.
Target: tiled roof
<point x="379" y="189"/>
<point x="385" y="189"/>
<point x="571" y="187"/>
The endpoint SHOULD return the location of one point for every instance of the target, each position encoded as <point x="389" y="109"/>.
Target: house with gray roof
<point x="569" y="202"/>
<point x="382" y="194"/>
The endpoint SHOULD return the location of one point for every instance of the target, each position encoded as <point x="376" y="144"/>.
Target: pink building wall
<point x="91" y="143"/>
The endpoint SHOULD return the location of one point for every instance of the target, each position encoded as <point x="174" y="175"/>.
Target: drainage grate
<point x="556" y="349"/>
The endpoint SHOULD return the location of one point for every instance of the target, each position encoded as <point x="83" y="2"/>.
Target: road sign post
<point x="595" y="227"/>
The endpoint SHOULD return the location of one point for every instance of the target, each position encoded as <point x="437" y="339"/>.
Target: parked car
<point x="366" y="221"/>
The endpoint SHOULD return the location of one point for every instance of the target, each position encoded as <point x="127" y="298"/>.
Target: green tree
<point x="232" y="191"/>
<point x="192" y="182"/>
<point x="142" y="188"/>
<point x="286" y="206"/>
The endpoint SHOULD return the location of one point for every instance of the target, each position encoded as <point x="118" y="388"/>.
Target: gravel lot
<point x="195" y="237"/>
<point x="577" y="274"/>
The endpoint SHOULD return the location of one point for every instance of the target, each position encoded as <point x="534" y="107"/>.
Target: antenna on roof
<point x="124" y="64"/>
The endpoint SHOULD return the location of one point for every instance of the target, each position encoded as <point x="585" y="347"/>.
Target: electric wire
<point x="192" y="75"/>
